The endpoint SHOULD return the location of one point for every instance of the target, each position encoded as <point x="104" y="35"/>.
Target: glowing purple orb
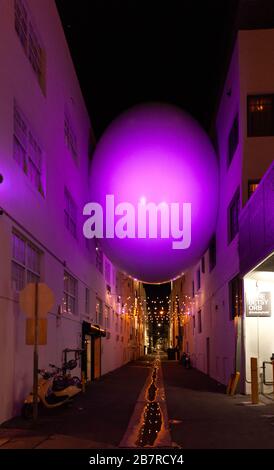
<point x="155" y="159"/>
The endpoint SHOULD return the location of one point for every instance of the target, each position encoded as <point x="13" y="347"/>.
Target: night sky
<point x="131" y="51"/>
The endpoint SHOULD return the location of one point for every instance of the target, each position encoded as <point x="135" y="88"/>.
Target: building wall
<point x="250" y="72"/>
<point x="256" y="76"/>
<point x="40" y="219"/>
<point x="256" y="242"/>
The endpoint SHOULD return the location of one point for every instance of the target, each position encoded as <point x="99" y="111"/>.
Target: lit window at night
<point x="252" y="186"/>
<point x="26" y="262"/>
<point x="70" y="297"/>
<point x="26" y="150"/>
<point x="28" y="36"/>
<point x="260" y="115"/>
<point x="70" y="214"/>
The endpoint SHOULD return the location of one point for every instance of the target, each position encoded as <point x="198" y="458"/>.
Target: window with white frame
<point x="70" y="136"/>
<point x="70" y="296"/>
<point x="26" y="150"/>
<point x="28" y="36"/>
<point x="26" y="262"/>
<point x="70" y="214"/>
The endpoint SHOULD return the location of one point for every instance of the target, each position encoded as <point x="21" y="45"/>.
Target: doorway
<point x="91" y="345"/>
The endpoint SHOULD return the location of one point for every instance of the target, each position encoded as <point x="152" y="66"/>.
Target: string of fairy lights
<point x="160" y="310"/>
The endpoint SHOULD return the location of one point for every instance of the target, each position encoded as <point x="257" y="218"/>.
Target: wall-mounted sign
<point x="259" y="305"/>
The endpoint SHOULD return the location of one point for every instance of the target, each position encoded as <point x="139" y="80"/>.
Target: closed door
<point x="97" y="357"/>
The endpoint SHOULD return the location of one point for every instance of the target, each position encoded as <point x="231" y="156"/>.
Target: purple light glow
<point x="157" y="153"/>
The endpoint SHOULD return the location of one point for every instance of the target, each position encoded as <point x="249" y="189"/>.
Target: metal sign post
<point x="36" y="300"/>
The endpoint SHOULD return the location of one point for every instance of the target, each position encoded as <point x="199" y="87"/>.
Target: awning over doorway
<point x="93" y="330"/>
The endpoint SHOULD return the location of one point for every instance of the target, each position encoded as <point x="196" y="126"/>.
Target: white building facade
<point x="210" y="296"/>
<point x="45" y="157"/>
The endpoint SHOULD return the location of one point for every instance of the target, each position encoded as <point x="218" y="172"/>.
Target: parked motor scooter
<point x="55" y="388"/>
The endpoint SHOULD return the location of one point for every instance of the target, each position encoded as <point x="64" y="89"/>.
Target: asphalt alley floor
<point x="96" y="419"/>
<point x="199" y="414"/>
<point x="202" y="416"/>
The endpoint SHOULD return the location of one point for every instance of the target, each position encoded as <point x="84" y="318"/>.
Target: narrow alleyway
<point x="116" y="411"/>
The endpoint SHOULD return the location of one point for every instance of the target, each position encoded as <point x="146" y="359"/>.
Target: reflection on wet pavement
<point x="152" y="415"/>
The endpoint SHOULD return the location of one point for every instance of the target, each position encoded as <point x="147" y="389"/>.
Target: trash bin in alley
<point x="171" y="354"/>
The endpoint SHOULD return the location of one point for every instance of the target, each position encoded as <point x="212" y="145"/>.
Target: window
<point x="107" y="317"/>
<point x="233" y="216"/>
<point x="35" y="52"/>
<point x="35" y="162"/>
<point x="28" y="36"/>
<point x="20" y="138"/>
<point x="235" y="297"/>
<point x="233" y="139"/>
<point x="70" y="298"/>
<point x="21" y="22"/>
<point x="86" y="300"/>
<point x="260" y="115"/>
<point x="107" y="271"/>
<point x="26" y="150"/>
<point x="70" y="214"/>
<point x="26" y="262"/>
<point x="99" y="259"/>
<point x="70" y="137"/>
<point x="199" y="321"/>
<point x="212" y="253"/>
<point x="203" y="264"/>
<point x="198" y="276"/>
<point x="252" y="186"/>
<point x="99" y="311"/>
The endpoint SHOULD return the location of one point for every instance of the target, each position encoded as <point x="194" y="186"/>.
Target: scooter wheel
<point x="27" y="411"/>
